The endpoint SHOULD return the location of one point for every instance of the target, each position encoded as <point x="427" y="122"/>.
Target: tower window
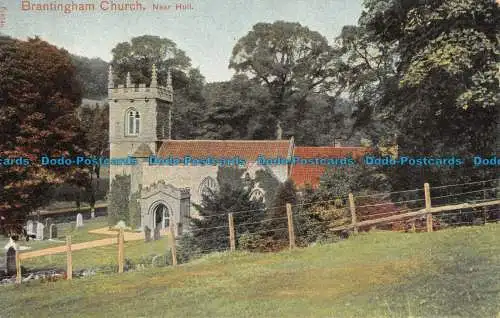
<point x="133" y="123"/>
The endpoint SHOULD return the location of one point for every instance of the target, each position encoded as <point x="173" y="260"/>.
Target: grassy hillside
<point x="453" y="273"/>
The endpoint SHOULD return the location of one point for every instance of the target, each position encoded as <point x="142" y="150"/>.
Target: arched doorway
<point x="161" y="216"/>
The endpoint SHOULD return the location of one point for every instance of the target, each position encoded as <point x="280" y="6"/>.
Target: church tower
<point x="139" y="117"/>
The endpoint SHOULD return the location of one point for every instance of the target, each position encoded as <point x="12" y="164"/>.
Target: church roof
<point x="245" y="149"/>
<point x="310" y="174"/>
<point x="143" y="151"/>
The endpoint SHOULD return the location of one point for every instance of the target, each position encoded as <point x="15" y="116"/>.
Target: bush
<point x="249" y="242"/>
<point x="186" y="248"/>
<point x="119" y="200"/>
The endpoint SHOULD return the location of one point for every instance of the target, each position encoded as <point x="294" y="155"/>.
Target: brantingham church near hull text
<point x="140" y="127"/>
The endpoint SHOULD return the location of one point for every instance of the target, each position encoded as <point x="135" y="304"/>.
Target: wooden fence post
<point x="291" y="233"/>
<point x="173" y="247"/>
<point x="352" y="208"/>
<point x="427" y="193"/>
<point x="69" y="259"/>
<point x="232" y="239"/>
<point x="121" y="250"/>
<point x="18" y="268"/>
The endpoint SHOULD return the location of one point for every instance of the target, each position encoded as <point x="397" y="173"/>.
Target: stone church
<point x="140" y="127"/>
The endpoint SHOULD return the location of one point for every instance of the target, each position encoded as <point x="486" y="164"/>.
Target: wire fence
<point x="81" y="251"/>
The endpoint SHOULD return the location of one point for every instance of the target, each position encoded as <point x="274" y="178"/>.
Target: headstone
<point x="48" y="222"/>
<point x="10" y="266"/>
<point x="92" y="213"/>
<point x="79" y="220"/>
<point x="10" y="257"/>
<point x="3" y="264"/>
<point x="156" y="234"/>
<point x="53" y="231"/>
<point x="39" y="230"/>
<point x="147" y="234"/>
<point x="46" y="229"/>
<point x="33" y="228"/>
<point x="29" y="227"/>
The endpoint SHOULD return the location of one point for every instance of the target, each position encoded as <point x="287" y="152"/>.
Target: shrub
<point x="248" y="241"/>
<point x="186" y="248"/>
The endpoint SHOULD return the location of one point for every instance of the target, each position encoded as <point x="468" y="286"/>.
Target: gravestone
<point x="156" y="234"/>
<point x="3" y="264"/>
<point x="33" y="228"/>
<point x="79" y="220"/>
<point x="29" y="227"/>
<point x="147" y="234"/>
<point x="10" y="266"/>
<point x="92" y="213"/>
<point x="39" y="230"/>
<point x="46" y="229"/>
<point x="53" y="231"/>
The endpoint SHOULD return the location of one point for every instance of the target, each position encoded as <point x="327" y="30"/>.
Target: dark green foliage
<point x="429" y="70"/>
<point x="134" y="210"/>
<point x="237" y="109"/>
<point x="187" y="248"/>
<point x="118" y="207"/>
<point x="313" y="219"/>
<point x="269" y="183"/>
<point x="93" y="76"/>
<point x="211" y="231"/>
<point x="286" y="193"/>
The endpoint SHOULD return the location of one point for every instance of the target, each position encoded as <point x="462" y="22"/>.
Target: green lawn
<point x="449" y="273"/>
<point x="77" y="235"/>
<point x="102" y="258"/>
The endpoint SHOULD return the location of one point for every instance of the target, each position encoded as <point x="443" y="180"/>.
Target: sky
<point x="207" y="31"/>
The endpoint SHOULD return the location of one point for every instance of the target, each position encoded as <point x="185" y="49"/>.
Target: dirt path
<point x="128" y="236"/>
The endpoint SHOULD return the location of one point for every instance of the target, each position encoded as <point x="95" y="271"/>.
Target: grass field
<point x="449" y="273"/>
<point x="105" y="256"/>
<point x="77" y="235"/>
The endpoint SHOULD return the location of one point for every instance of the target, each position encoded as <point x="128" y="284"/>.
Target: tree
<point x="138" y="55"/>
<point x="209" y="231"/>
<point x="285" y="194"/>
<point x="39" y="93"/>
<point x="94" y="122"/>
<point x="444" y="100"/>
<point x="93" y="76"/>
<point x="327" y="207"/>
<point x="370" y="74"/>
<point x="291" y="61"/>
<point x="118" y="209"/>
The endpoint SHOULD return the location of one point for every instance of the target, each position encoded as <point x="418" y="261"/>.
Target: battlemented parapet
<point x="131" y="91"/>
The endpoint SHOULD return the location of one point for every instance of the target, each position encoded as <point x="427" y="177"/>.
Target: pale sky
<point x="207" y="32"/>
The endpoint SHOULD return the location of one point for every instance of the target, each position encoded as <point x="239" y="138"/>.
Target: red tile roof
<point x="310" y="174"/>
<point x="245" y="149"/>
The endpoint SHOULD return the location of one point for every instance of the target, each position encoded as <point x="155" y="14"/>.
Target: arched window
<point x="207" y="186"/>
<point x="257" y="195"/>
<point x="133" y="122"/>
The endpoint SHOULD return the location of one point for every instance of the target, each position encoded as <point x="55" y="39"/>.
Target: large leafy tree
<point x="94" y="122"/>
<point x="370" y="75"/>
<point x="237" y="109"/>
<point x="292" y="61"/>
<point x="443" y="97"/>
<point x="38" y="97"/>
<point x="93" y="76"/>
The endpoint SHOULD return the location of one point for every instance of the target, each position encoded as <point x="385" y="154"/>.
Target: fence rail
<point x="286" y="227"/>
